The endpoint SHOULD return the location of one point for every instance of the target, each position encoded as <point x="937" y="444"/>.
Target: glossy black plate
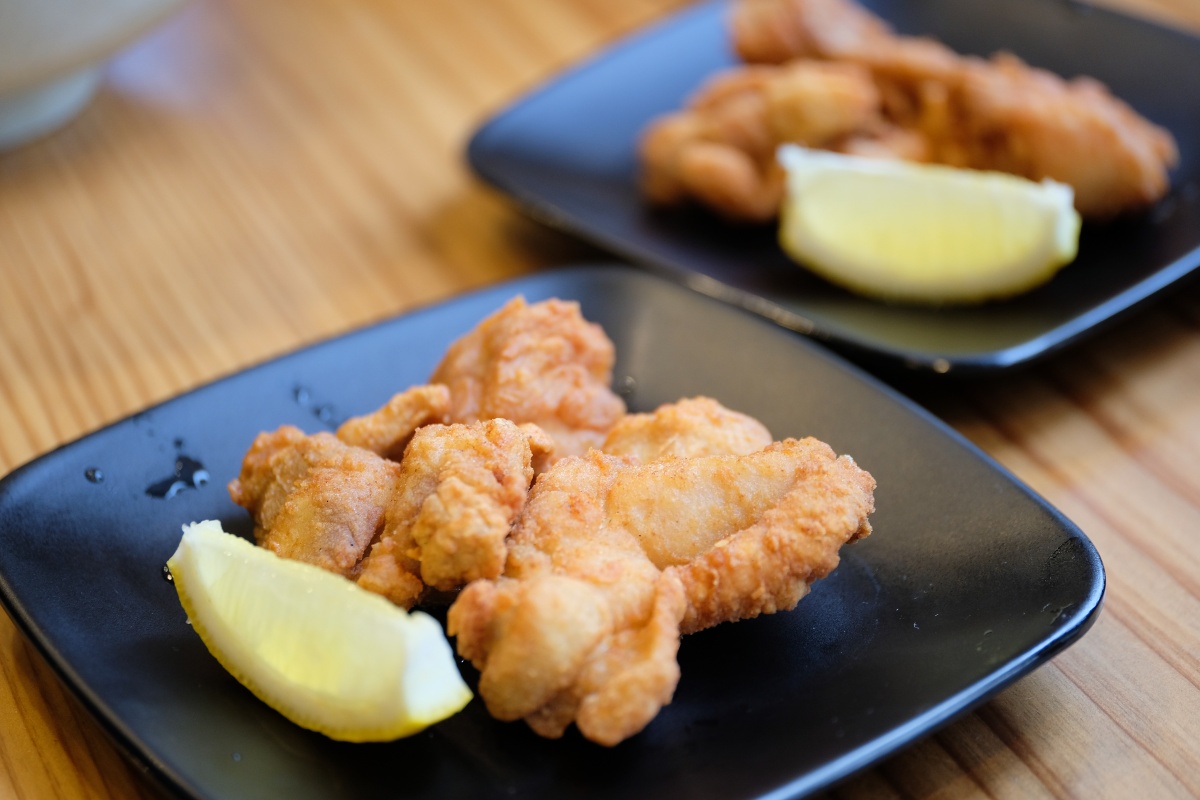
<point x="968" y="582"/>
<point x="566" y="153"/>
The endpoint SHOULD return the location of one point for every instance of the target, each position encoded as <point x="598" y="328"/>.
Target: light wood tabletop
<point x="258" y="175"/>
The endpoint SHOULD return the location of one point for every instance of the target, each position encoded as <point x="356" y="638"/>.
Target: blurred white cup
<point x="52" y="53"/>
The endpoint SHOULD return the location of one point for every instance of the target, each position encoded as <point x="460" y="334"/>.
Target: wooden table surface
<point x="256" y="175"/>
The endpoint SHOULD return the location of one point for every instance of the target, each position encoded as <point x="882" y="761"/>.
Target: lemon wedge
<point x="327" y="654"/>
<point x="923" y="233"/>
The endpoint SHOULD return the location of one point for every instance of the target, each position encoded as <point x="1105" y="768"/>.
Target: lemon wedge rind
<point x="923" y="233"/>
<point x="327" y="654"/>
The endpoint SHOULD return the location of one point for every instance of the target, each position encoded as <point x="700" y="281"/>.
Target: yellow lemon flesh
<point x="325" y="653"/>
<point x="923" y="233"/>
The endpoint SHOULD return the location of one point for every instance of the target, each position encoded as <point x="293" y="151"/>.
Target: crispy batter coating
<point x="314" y="498"/>
<point x="828" y="74"/>
<point x="435" y="521"/>
<point x="541" y="447"/>
<point x="388" y="430"/>
<point x="721" y="148"/>
<point x="1032" y="123"/>
<point x="449" y="506"/>
<point x="775" y="31"/>
<point x="541" y="363"/>
<point x="697" y="426"/>
<point x="611" y="560"/>
<point x="460" y="488"/>
<point x="574" y="590"/>
<point x="770" y="565"/>
<point x="625" y="682"/>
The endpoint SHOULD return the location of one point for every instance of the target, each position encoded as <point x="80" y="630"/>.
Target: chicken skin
<point x="611" y="561"/>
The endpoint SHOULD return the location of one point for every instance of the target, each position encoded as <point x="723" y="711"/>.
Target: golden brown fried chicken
<point x="314" y="498"/>
<point x="721" y="148"/>
<point x="459" y="489"/>
<point x="611" y="560"/>
<point x="680" y="508"/>
<point x="1032" y="123"/>
<point x="438" y="519"/>
<point x="912" y="98"/>
<point x="388" y="430"/>
<point x="771" y="564"/>
<point x="697" y="426"/>
<point x="575" y="591"/>
<point x="435" y="521"/>
<point x="541" y="363"/>
<point x="775" y="31"/>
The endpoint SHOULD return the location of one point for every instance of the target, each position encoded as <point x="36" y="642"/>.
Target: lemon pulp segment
<point x="921" y="232"/>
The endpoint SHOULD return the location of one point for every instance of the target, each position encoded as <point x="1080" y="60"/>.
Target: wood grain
<point x="258" y="175"/>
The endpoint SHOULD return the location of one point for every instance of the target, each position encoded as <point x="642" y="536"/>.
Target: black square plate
<point x="968" y="582"/>
<point x="566" y="153"/>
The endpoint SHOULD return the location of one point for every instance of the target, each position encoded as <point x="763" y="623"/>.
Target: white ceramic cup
<point x="52" y="53"/>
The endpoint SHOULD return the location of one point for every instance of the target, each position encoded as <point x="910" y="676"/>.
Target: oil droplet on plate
<point x="94" y="475"/>
<point x="325" y="412"/>
<point x="166" y="573"/>
<point x="188" y="474"/>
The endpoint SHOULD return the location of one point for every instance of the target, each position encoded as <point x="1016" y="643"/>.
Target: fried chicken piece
<point x="676" y="524"/>
<point x="628" y="680"/>
<point x="819" y="103"/>
<point x="314" y="498"/>
<point x="698" y="426"/>
<point x="388" y="430"/>
<point x="541" y="363"/>
<point x="1002" y="114"/>
<point x="1032" y="123"/>
<point x="459" y="490"/>
<point x="721" y="148"/>
<point x="582" y="627"/>
<point x="775" y="31"/>
<point x="771" y="564"/>
<point x="782" y="31"/>
<point x="612" y="560"/>
<point x="435" y="521"/>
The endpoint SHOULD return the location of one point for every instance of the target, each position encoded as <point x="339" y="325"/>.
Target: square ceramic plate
<point x="968" y="582"/>
<point x="566" y="153"/>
